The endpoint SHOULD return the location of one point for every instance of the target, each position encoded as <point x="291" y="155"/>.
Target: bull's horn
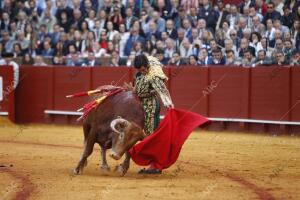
<point x="117" y="121"/>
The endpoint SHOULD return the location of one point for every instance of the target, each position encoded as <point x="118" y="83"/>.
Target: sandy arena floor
<point x="36" y="163"/>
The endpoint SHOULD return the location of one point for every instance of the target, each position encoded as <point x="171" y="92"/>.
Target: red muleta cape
<point x="161" y="149"/>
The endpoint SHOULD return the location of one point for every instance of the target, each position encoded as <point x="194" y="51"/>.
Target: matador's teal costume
<point x="148" y="87"/>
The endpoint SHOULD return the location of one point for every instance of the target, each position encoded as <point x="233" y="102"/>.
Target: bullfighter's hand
<point x="128" y="86"/>
<point x="170" y="106"/>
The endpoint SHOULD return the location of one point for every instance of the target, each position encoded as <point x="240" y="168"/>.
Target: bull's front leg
<point x="104" y="165"/>
<point x="123" y="168"/>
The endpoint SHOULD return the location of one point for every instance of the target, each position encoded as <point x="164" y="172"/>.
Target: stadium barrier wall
<point x="262" y="93"/>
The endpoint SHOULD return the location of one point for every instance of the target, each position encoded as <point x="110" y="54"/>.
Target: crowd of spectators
<point x="177" y="32"/>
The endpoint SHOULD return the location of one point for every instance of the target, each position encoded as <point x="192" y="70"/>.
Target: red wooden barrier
<point x="265" y="93"/>
<point x="34" y="94"/>
<point x="270" y="93"/>
<point x="187" y="85"/>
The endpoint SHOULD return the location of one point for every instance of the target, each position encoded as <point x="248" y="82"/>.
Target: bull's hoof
<point x="77" y="171"/>
<point x="121" y="170"/>
<point x="105" y="168"/>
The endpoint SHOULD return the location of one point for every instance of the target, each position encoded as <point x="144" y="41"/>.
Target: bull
<point x="115" y="124"/>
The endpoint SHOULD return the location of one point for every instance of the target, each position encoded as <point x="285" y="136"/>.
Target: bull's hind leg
<point x="88" y="149"/>
<point x="104" y="165"/>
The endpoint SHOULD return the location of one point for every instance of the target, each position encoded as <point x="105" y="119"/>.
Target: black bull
<point x="116" y="124"/>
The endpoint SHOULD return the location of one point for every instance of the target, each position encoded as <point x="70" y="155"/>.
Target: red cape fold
<point x="161" y="149"/>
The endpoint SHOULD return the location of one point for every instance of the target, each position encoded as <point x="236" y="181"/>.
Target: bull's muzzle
<point x="114" y="155"/>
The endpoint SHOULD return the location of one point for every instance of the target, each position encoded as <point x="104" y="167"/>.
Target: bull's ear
<point x="119" y="125"/>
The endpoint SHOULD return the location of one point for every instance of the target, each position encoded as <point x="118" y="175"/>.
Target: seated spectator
<point x="176" y="60"/>
<point x="149" y="48"/>
<point x="130" y="60"/>
<point x="186" y="49"/>
<point x="204" y="59"/>
<point x="262" y="58"/>
<point x="187" y="27"/>
<point x="77" y="18"/>
<point x="153" y="31"/>
<point x="246" y="4"/>
<point x="99" y="52"/>
<point x="138" y="48"/>
<point x="73" y="58"/>
<point x="161" y="57"/>
<point x="116" y="18"/>
<point x="84" y="29"/>
<point x="288" y="50"/>
<point x="218" y="58"/>
<point x="207" y="13"/>
<point x="160" y="22"/>
<point x="65" y="21"/>
<point x="47" y="51"/>
<point x="110" y="48"/>
<point x="91" y="19"/>
<point x="134" y="37"/>
<point x="295" y="29"/>
<point x="213" y="45"/>
<point x="247" y="33"/>
<point x="234" y="16"/>
<point x="245" y="47"/>
<point x="255" y="39"/>
<point x="248" y="59"/>
<point x="279" y="26"/>
<point x="91" y="60"/>
<point x="261" y="6"/>
<point x="235" y="39"/>
<point x="17" y="51"/>
<point x="89" y="43"/>
<point x="129" y="19"/>
<point x="271" y="13"/>
<point x="231" y="59"/>
<point x="280" y="59"/>
<point x="295" y="61"/>
<point x="23" y="41"/>
<point x="171" y="30"/>
<point x="27" y="60"/>
<point x="194" y="35"/>
<point x="64" y="42"/>
<point x="288" y="17"/>
<point x="278" y="45"/>
<point x="264" y="45"/>
<point x="229" y="46"/>
<point x="193" y="60"/>
<point x="48" y="20"/>
<point x="197" y="45"/>
<point x="39" y="61"/>
<point x="116" y="61"/>
<point x="170" y="48"/>
<point x="257" y="26"/>
<point x="4" y="24"/>
<point x="58" y="60"/>
<point x="111" y="32"/>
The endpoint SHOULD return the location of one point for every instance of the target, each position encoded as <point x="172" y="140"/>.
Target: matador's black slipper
<point x="142" y="171"/>
<point x="150" y="171"/>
